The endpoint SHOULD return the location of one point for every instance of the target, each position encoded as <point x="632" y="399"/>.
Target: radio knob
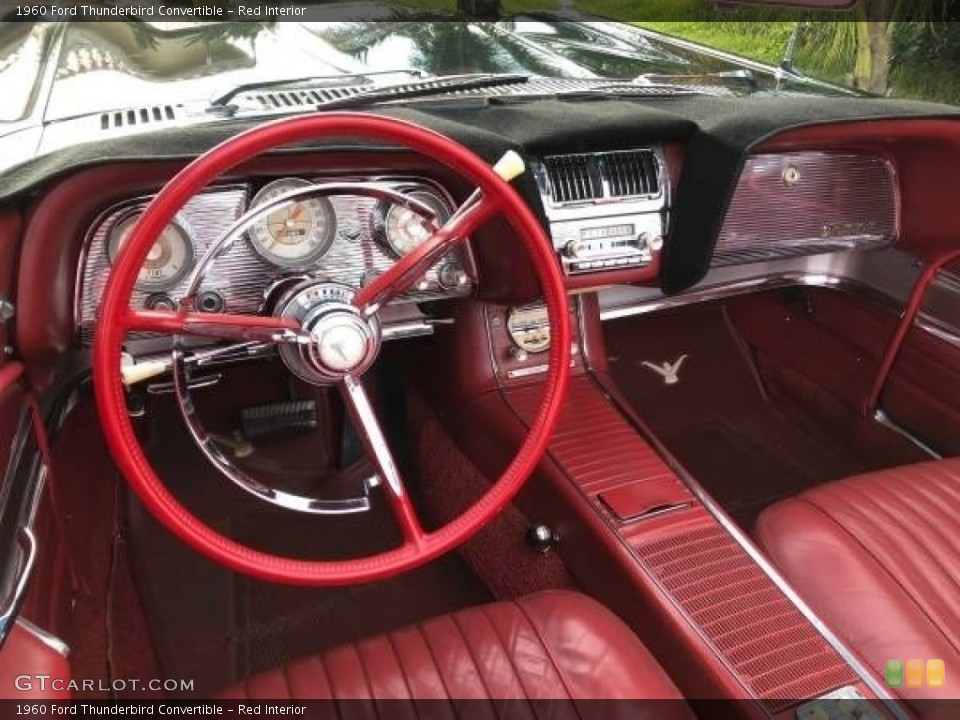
<point x="648" y="241"/>
<point x="452" y="276"/>
<point x="576" y="249"/>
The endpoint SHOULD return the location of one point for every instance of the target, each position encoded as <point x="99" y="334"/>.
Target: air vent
<point x="138" y="116"/>
<point x="573" y="178"/>
<point x="612" y="175"/>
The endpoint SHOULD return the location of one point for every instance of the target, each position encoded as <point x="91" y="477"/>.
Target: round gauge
<point x="297" y="234"/>
<point x="167" y="263"/>
<point x="529" y="327"/>
<point x="404" y="230"/>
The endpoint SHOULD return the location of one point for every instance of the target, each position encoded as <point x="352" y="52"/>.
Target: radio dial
<point x="576" y="249"/>
<point x="650" y="242"/>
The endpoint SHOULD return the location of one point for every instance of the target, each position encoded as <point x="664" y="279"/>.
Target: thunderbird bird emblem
<point x="670" y="372"/>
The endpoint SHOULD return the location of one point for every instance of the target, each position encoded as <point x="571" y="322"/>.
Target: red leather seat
<point x="878" y="558"/>
<point x="551" y="645"/>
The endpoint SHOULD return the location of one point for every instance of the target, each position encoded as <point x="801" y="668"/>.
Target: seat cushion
<point x="877" y="557"/>
<point x="551" y="645"/>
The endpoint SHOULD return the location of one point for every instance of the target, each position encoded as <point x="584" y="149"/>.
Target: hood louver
<point x="138" y="116"/>
<point x="601" y="176"/>
<point x="281" y="99"/>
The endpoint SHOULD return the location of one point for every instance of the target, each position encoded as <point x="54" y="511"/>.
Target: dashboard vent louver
<point x="597" y="176"/>
<point x="138" y="116"/>
<point x="573" y="178"/>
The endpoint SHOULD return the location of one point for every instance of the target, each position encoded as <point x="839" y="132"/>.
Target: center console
<point x="641" y="535"/>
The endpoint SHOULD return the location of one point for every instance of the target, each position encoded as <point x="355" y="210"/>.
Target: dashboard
<point x="345" y="238"/>
<point x="608" y="214"/>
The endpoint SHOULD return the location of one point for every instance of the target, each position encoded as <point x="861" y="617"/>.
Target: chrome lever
<point x="11" y="604"/>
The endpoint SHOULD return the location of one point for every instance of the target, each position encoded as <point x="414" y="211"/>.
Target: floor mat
<point x="216" y="627"/>
<point x="747" y="449"/>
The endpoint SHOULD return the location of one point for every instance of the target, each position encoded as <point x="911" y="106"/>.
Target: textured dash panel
<point x="240" y="275"/>
<point x="764" y="638"/>
<point x="790" y="204"/>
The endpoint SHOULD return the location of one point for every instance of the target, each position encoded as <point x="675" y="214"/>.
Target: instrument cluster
<point x="343" y="238"/>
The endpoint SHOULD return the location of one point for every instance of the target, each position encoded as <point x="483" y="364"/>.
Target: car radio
<point x="607" y="210"/>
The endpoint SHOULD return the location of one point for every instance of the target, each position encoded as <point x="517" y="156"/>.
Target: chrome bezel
<point x="182" y="227"/>
<point x="381" y="218"/>
<point x="537" y="345"/>
<point x="328" y="231"/>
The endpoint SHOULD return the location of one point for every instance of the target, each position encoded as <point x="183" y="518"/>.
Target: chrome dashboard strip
<point x="888" y="276"/>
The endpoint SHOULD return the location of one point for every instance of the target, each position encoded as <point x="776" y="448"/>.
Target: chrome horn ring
<point x="328" y="310"/>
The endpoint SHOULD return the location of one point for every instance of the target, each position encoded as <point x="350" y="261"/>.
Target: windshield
<point x="106" y="65"/>
<point x="54" y="71"/>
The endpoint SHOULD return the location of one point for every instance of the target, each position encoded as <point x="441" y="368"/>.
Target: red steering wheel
<point x="494" y="196"/>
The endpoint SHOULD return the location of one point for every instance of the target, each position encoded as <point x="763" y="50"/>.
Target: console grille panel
<point x="609" y="175"/>
<point x="793" y="204"/>
<point x="767" y="642"/>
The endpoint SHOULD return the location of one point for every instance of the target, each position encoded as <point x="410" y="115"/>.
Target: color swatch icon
<point x="936" y="673"/>
<point x="894" y="673"/>
<point x="915" y="673"/>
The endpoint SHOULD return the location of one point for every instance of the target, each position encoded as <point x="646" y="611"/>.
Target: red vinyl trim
<point x="906" y="322"/>
<point x="119" y="432"/>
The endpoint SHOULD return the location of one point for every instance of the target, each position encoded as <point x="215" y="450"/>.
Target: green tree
<point x="869" y="36"/>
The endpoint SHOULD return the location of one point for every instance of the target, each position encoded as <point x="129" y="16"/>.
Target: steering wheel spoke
<point x="411" y="267"/>
<point x="222" y="326"/>
<point x="375" y="443"/>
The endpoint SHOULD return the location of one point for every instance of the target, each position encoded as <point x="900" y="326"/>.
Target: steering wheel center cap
<point x="341" y="341"/>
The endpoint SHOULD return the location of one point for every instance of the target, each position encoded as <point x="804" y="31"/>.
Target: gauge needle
<point x="287" y="225"/>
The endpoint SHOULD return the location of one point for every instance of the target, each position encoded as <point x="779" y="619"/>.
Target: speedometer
<point x="405" y="230"/>
<point x="296" y="234"/>
<point x="168" y="261"/>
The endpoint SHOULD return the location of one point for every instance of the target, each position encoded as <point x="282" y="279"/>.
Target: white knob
<point x="510" y="166"/>
<point x="519" y="354"/>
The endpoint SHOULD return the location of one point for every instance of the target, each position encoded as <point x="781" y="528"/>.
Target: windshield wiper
<point x="423" y="88"/>
<point x="374" y="94"/>
<point x="310" y="80"/>
<point x="628" y="91"/>
<point x="723" y="78"/>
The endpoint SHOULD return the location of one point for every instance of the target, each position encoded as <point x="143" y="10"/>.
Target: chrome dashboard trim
<point x="886" y="276"/>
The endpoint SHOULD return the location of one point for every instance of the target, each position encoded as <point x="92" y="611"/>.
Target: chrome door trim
<point x="23" y="486"/>
<point x="46" y="638"/>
